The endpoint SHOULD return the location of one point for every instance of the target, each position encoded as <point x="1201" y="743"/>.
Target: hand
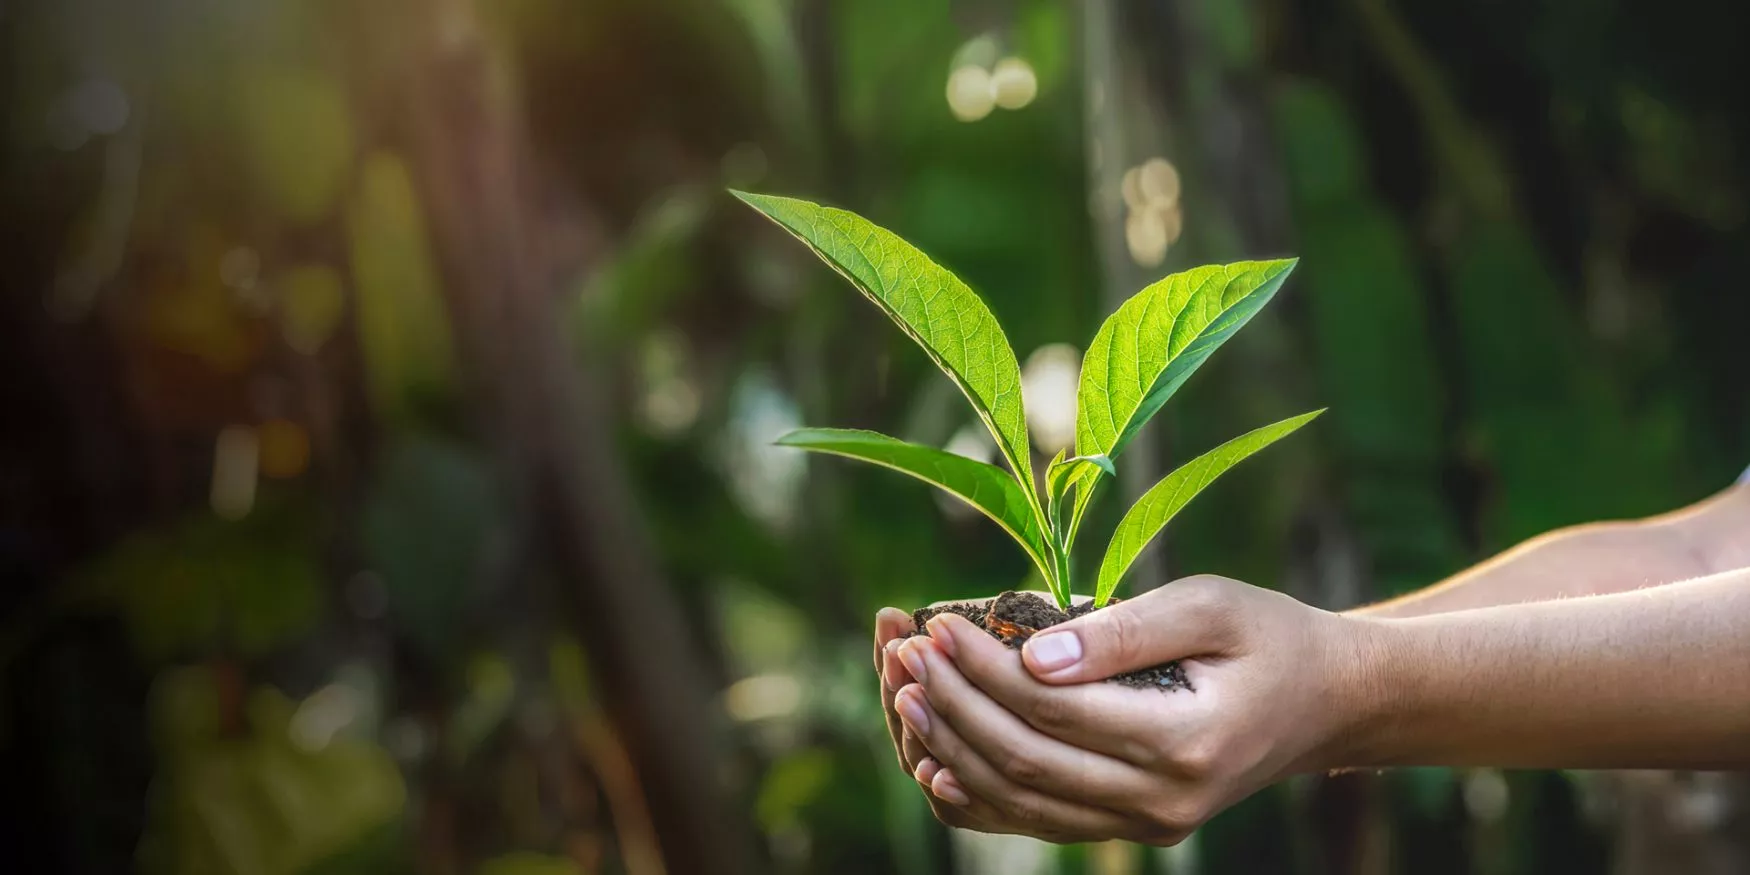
<point x="891" y="625"/>
<point x="947" y="799"/>
<point x="1036" y="744"/>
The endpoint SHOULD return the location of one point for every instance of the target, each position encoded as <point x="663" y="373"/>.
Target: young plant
<point x="1142" y="354"/>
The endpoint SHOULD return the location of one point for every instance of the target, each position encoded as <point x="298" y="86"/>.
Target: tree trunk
<point x="550" y="426"/>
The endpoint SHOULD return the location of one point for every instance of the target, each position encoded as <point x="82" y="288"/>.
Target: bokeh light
<point x="236" y="463"/>
<point x="969" y="93"/>
<point x="1153" y="215"/>
<point x="979" y="81"/>
<point x="383" y="385"/>
<point x="1049" y="381"/>
<point x="1013" y="83"/>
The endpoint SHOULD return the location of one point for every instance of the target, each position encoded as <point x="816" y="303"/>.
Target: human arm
<point x="1651" y="678"/>
<point x="1656" y="678"/>
<point x="1596" y="559"/>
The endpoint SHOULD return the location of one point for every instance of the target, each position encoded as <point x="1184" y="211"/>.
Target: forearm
<point x="1652" y="679"/>
<point x="1586" y="560"/>
<point x="1597" y="559"/>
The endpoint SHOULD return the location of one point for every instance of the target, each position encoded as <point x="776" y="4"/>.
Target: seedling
<point x="1142" y="355"/>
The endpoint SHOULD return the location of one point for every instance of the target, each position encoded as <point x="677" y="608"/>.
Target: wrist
<point x="1372" y="666"/>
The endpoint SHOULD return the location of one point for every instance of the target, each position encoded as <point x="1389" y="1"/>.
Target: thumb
<point x="1189" y="617"/>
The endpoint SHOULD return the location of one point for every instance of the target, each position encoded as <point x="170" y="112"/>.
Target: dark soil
<point x="1013" y="617"/>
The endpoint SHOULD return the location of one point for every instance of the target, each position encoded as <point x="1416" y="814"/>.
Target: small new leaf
<point x="929" y="304"/>
<point x="1064" y="473"/>
<point x="1150" y="514"/>
<point x="986" y="487"/>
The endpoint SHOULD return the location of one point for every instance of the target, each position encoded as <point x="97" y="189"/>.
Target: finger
<point x="1014" y="747"/>
<point x="1100" y="717"/>
<point x="890" y="623"/>
<point x="894" y="676"/>
<point x="951" y="812"/>
<point x="945" y="784"/>
<point x="991" y="798"/>
<point x="1190" y="617"/>
<point x="911" y="749"/>
<point x="955" y="813"/>
<point x="926" y="771"/>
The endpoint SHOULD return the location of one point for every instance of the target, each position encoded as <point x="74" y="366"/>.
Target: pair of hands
<point x="1038" y="744"/>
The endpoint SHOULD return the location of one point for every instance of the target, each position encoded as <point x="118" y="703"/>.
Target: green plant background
<point x="1521" y="229"/>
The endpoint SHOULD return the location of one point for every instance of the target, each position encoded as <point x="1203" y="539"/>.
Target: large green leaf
<point x="984" y="486"/>
<point x="930" y="304"/>
<point x="1147" y="349"/>
<point x="1158" y="338"/>
<point x="1150" y="514"/>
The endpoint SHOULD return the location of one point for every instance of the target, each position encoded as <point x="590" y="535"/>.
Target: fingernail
<point x="914" y="661"/>
<point x="939" y="633"/>
<point x="912" y="711"/>
<point x="926" y="771"/>
<point x="948" y="789"/>
<point x="1054" y="650"/>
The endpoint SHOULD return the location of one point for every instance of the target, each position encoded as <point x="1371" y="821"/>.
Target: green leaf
<point x="1150" y="514"/>
<point x="1154" y="342"/>
<point x="930" y="305"/>
<point x="1157" y="339"/>
<point x="986" y="487"/>
<point x="1057" y="462"/>
<point x="1085" y="490"/>
<point x="1064" y="473"/>
<point x="1082" y="472"/>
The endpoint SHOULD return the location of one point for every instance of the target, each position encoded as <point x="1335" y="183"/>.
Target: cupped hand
<point x="892" y="625"/>
<point x="1038" y="744"/>
<point x="947" y="798"/>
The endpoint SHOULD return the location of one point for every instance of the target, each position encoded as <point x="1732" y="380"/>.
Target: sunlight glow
<point x="1013" y="84"/>
<point x="969" y="93"/>
<point x="974" y="90"/>
<point x="671" y="399"/>
<point x="1486" y="795"/>
<point x="765" y="478"/>
<point x="327" y="712"/>
<point x="763" y="697"/>
<point x="1048" y="391"/>
<point x="972" y="442"/>
<point x="1154" y="217"/>
<point x="236" y="464"/>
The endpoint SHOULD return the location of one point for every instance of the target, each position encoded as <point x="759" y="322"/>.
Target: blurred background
<point x="387" y="389"/>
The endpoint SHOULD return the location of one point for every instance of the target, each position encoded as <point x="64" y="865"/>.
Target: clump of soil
<point x="1013" y="617"/>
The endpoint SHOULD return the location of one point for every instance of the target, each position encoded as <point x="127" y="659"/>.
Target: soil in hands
<point x="1013" y="617"/>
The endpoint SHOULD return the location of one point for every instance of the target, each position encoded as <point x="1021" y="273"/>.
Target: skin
<point x="1616" y="645"/>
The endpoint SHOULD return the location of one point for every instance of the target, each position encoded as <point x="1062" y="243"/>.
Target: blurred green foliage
<point x="264" y="801"/>
<point x="205" y="585"/>
<point x="1521" y="229"/>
